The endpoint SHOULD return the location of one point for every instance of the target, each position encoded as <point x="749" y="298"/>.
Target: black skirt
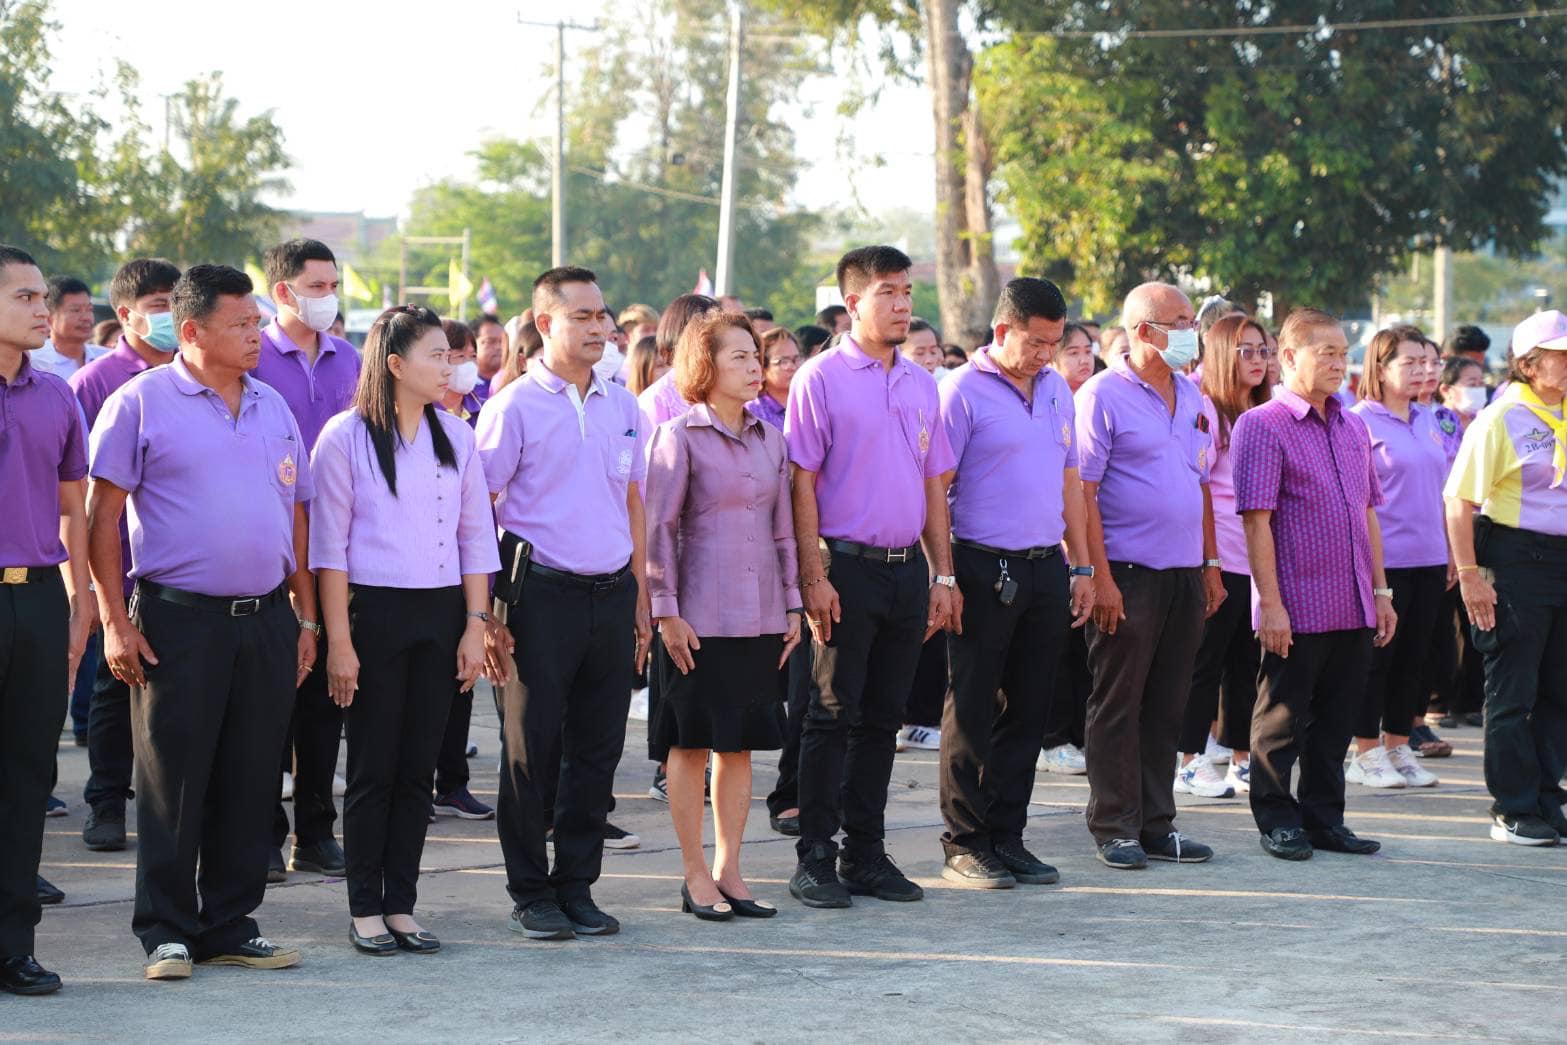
<point x="730" y="701"/>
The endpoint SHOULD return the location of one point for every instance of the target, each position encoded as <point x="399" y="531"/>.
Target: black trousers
<point x="109" y="757"/>
<point x="786" y="793"/>
<point x="1142" y="674"/>
<point x="1306" y="706"/>
<point x="1224" y="679"/>
<point x="1396" y="688"/>
<point x="862" y="686"/>
<point x="311" y="750"/>
<point x="407" y="640"/>
<point x="1525" y="671"/>
<point x="451" y="762"/>
<point x="1064" y="721"/>
<point x="34" y="625"/>
<point x="82" y="685"/>
<point x="928" y="693"/>
<point x="207" y="727"/>
<point x="575" y="647"/>
<point x="1003" y="676"/>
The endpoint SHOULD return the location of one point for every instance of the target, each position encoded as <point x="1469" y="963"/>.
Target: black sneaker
<point x="277" y="871"/>
<point x="1123" y="854"/>
<point x="323" y="857"/>
<point x="1341" y="839"/>
<point x="1287" y="843"/>
<point x="1522" y="830"/>
<point x="1024" y="865"/>
<point x="978" y="870"/>
<point x="879" y="878"/>
<point x="461" y="803"/>
<point x="587" y="920"/>
<point x="1176" y="848"/>
<point x="815" y="881"/>
<point x="258" y="952"/>
<point x="1556" y="819"/>
<point x="104" y="831"/>
<point x="541" y="920"/>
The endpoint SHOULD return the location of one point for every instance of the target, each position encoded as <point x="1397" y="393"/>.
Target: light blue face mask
<point x="160" y="331"/>
<point x="1180" y="349"/>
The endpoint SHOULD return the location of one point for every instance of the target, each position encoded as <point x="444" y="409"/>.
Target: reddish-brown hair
<point x="1220" y="372"/>
<point x="696" y="354"/>
<point x="1380" y="355"/>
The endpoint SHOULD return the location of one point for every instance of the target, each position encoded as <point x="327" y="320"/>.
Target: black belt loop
<point x="228" y="606"/>
<point x="1041" y="552"/>
<point x="891" y="556"/>
<point x="598" y="583"/>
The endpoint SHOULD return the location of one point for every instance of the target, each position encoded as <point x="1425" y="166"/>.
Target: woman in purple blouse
<point x="722" y="575"/>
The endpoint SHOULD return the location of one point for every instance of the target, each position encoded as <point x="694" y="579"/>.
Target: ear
<point x="394" y="363"/>
<point x="542" y="322"/>
<point x="123" y="314"/>
<point x="279" y="288"/>
<point x="852" y="303"/>
<point x="187" y="331"/>
<point x="999" y="336"/>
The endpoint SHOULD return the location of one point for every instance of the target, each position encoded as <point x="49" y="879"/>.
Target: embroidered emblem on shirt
<point x="1066" y="434"/>
<point x="1202" y="459"/>
<point x="623" y="462"/>
<point x="1540" y="436"/>
<point x="924" y="434"/>
<point x="1447" y="424"/>
<point x="286" y="472"/>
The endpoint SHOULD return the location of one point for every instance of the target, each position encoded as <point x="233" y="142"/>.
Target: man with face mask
<point x="316" y="374"/>
<point x="1143" y="453"/>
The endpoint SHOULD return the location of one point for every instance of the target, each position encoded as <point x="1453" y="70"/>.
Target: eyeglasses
<point x="788" y="362"/>
<point x="1179" y="324"/>
<point x="1252" y="353"/>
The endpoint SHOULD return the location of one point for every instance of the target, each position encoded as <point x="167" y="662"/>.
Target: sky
<point x="339" y="74"/>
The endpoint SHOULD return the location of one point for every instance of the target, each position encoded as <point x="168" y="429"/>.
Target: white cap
<point x="1541" y="330"/>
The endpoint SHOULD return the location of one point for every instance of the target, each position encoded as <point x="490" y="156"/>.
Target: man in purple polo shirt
<point x="1014" y="496"/>
<point x="140" y="294"/>
<point x="869" y="450"/>
<point x="43" y="628"/>
<point x="316" y="374"/>
<point x="210" y="463"/>
<point x="564" y="453"/>
<point x="1143" y="452"/>
<point x="1307" y="486"/>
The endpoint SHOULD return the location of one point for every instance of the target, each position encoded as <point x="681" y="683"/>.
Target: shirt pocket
<point x="618" y="454"/>
<point x="282" y="463"/>
<point x="1198" y="451"/>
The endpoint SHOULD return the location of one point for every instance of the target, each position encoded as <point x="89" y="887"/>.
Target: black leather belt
<point x="867" y="551"/>
<point x="29" y="574"/>
<point x="596" y="582"/>
<point x="1043" y="552"/>
<point x="247" y="606"/>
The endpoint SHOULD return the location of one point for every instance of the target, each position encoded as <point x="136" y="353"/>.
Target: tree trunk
<point x="966" y="280"/>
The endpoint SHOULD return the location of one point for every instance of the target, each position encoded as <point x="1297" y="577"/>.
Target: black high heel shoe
<point x="379" y="945"/>
<point x="718" y="912"/>
<point x="421" y="942"/>
<point x="748" y="908"/>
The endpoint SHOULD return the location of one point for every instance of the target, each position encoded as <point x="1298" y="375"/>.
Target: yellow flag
<point x="354" y="287"/>
<point x="459" y="288"/>
<point x="259" y="278"/>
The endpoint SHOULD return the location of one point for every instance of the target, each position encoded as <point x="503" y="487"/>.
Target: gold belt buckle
<point x="14" y="575"/>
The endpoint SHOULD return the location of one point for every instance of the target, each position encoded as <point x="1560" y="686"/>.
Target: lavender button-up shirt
<point x="313" y="393"/>
<point x="1316" y="476"/>
<point x="1011" y="454"/>
<point x="562" y="465"/>
<point x="211" y="496"/>
<point x="873" y="436"/>
<point x="41" y="446"/>
<point x="1150" y="465"/>
<point x="96" y="381"/>
<point x="433" y="530"/>
<point x="721" y="551"/>
<point x="1411" y="462"/>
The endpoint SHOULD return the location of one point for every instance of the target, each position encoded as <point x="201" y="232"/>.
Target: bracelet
<point x="1382" y="593"/>
<point x="481" y="615"/>
<point x="309" y="625"/>
<point x="818" y="580"/>
<point x="1468" y="569"/>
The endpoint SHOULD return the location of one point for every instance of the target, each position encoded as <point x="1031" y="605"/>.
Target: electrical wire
<point x="1277" y="30"/>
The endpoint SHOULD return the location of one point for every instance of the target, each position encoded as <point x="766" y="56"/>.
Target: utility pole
<point x="558" y="161"/>
<point x="723" y="282"/>
<point x="1441" y="292"/>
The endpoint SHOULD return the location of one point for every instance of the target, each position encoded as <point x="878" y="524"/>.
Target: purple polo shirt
<point x="1317" y="478"/>
<point x="873" y="437"/>
<point x="96" y="381"/>
<point x="661" y="401"/>
<point x="1150" y="466"/>
<point x="562" y="465"/>
<point x="211" y="496"/>
<point x="41" y="446"/>
<point x="435" y="529"/>
<point x="1011" y="454"/>
<point x="1411" y="462"/>
<point x="1229" y="529"/>
<point x="768" y="409"/>
<point x="313" y="393"/>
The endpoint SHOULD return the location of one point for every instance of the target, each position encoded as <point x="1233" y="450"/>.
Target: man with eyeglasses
<point x="1144" y="452"/>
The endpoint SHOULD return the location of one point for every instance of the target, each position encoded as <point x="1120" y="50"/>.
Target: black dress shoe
<point x="1341" y="839"/>
<point x="421" y="942"/>
<point x="379" y="945"/>
<point x="785" y="825"/>
<point x="47" y="893"/>
<point x="323" y="857"/>
<point x="22" y="975"/>
<point x="1287" y="843"/>
<point x="722" y="911"/>
<point x="749" y="908"/>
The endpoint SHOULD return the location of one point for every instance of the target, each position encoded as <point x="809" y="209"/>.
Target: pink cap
<point x="1542" y="330"/>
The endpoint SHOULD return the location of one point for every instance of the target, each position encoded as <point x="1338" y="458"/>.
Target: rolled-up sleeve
<point x="332" y="509"/>
<point x="668" y="476"/>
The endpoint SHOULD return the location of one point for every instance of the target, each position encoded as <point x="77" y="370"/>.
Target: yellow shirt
<point x="1507" y="463"/>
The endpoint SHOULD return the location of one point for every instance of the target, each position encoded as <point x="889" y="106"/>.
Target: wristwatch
<point x="1382" y="593"/>
<point x="1081" y="571"/>
<point x="310" y="626"/>
<point x="481" y="615"/>
<point x="948" y="581"/>
<point x="1214" y="563"/>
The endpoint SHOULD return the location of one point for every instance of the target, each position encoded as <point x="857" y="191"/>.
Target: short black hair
<point x="61" y="287"/>
<point x="917" y="324"/>
<point x="827" y="318"/>
<point x="546" y="289"/>
<point x="142" y="276"/>
<point x="861" y="265"/>
<point x="1468" y="339"/>
<point x="10" y="255"/>
<point x="949" y="351"/>
<point x="481" y="321"/>
<point x="197" y="292"/>
<point x="1027" y="298"/>
<point x="1453" y="368"/>
<point x="287" y="260"/>
<point x="812" y="337"/>
<point x="759" y="313"/>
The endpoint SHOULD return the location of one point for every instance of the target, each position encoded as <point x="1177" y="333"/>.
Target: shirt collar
<point x="26" y="373"/>
<point x="1526" y="395"/>
<point x="701" y="416"/>
<point x="325" y="343"/>
<point x="550" y="381"/>
<point x="855" y="356"/>
<point x="1299" y="406"/>
<point x="186" y="382"/>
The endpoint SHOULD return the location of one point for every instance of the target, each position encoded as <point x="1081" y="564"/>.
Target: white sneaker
<point x="1198" y="777"/>
<point x="288" y="787"/>
<point x="1372" y="769"/>
<point x="339" y="785"/>
<point x="1414" y="774"/>
<point x="920" y="738"/>
<point x="1239" y="777"/>
<point x="638" y="710"/>
<point x="1063" y="758"/>
<point x="1217" y="753"/>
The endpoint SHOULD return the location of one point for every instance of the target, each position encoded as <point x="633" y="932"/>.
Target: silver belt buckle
<point x="244" y="607"/>
<point x="898" y="555"/>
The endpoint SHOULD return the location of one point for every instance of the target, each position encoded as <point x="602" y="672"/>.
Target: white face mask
<point x="316" y="313"/>
<point x="464" y="377"/>
<point x="609" y="364"/>
<point x="1469" y="399"/>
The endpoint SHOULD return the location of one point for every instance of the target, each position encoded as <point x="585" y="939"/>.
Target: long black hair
<point x="393" y="333"/>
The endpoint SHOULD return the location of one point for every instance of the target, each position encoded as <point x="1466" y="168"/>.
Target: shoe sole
<point x="658" y="796"/>
<point x="922" y="747"/>
<point x="1063" y="772"/>
<point x="54" y="813"/>
<point x="1294" y="855"/>
<point x="104" y="847"/>
<point x="1181" y="859"/>
<point x="1228" y="792"/>
<point x="170" y="969"/>
<point x="306" y="867"/>
<point x="622" y="843"/>
<point x="33" y="992"/>
<point x="964" y="881"/>
<point x="862" y="890"/>
<point x="564" y="933"/>
<point x="1121" y="867"/>
<point x="594" y="930"/>
<point x="459" y="814"/>
<point x="821" y="905"/>
<point x="792" y="831"/>
<point x="1501" y="834"/>
<point x="1037" y="879"/>
<point x="282" y="960"/>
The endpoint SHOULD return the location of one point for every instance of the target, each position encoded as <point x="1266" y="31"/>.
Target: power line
<point x="1283" y="30"/>
<point x="673" y="194"/>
